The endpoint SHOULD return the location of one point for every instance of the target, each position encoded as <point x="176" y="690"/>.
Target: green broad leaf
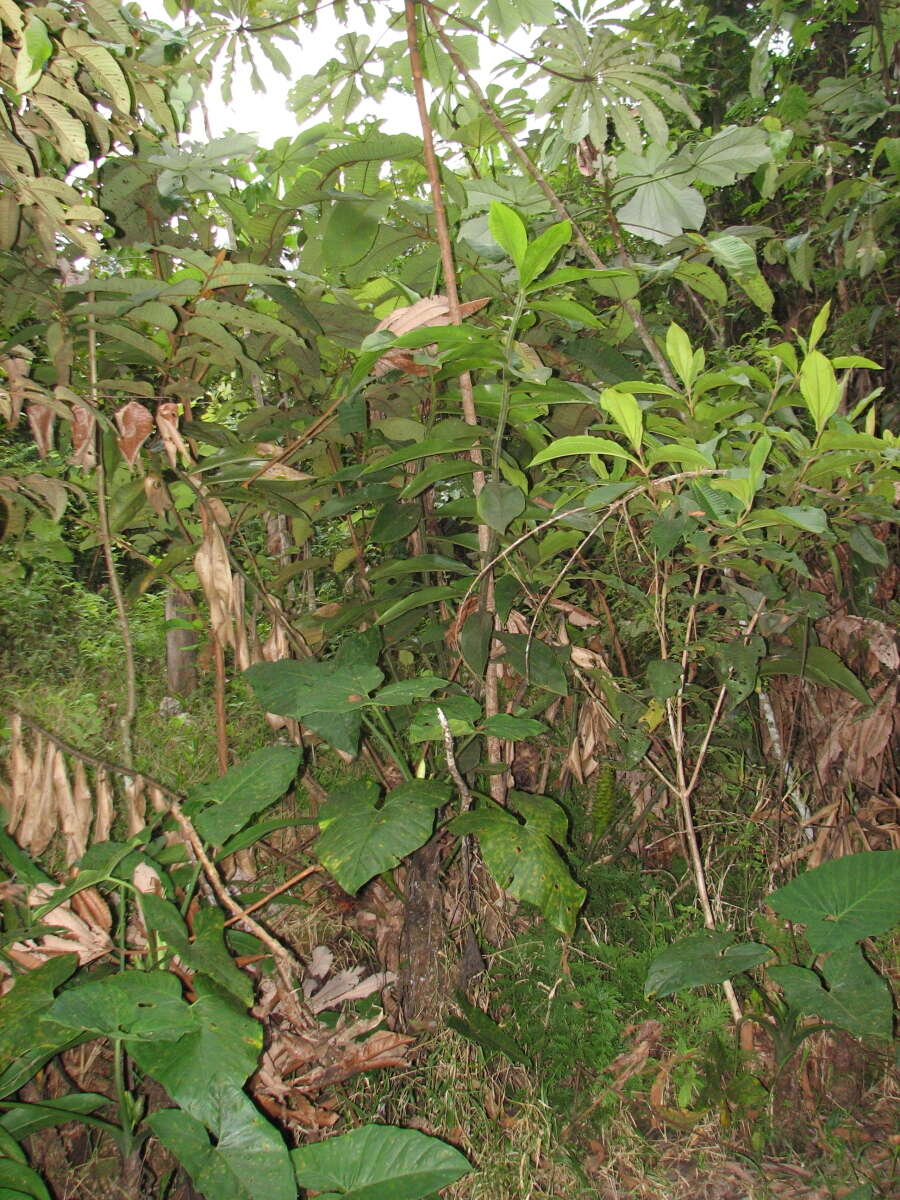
<point x="349" y="234"/>
<point x="243" y="791"/>
<point x="734" y="254"/>
<point x="217" y="1055"/>
<point x="364" y="835"/>
<point x="524" y="863"/>
<point x="247" y="1157"/>
<point x="849" y="993"/>
<point x="394" y="520"/>
<point x="755" y="287"/>
<point x="449" y="443"/>
<point x="819" y="388"/>
<point x="187" y="1139"/>
<point x="664" y="678"/>
<point x="580" y="445"/>
<point x="575" y="275"/>
<point x="819" y="325"/>
<point x="135" y="1006"/>
<point x="23" y="1119"/>
<point x="475" y="639"/>
<point x="476" y="1026"/>
<point x="18" y="1180"/>
<point x="728" y="154"/>
<point x="857" y="998"/>
<point x="616" y="283"/>
<point x="420" y="599"/>
<point x="28" y="1039"/>
<point x="508" y="231"/>
<point x="685" y="456"/>
<point x="535" y="661"/>
<point x="701" y="959"/>
<point x="421" y="564"/>
<point x="680" y="353"/>
<point x="661" y="209"/>
<point x="703" y="280"/>
<point x="513" y="729"/>
<point x="569" y="310"/>
<point x="408" y="691"/>
<point x="844" y="900"/>
<point x="34" y="54"/>
<point x="541" y="813"/>
<point x="541" y="252"/>
<point x="462" y="713"/>
<point x="820" y="665"/>
<point x="433" y="473"/>
<point x="813" y="520"/>
<point x="205" y="951"/>
<point x="301" y="689"/>
<point x="379" y="1162"/>
<point x="499" y="504"/>
<point x="626" y="412"/>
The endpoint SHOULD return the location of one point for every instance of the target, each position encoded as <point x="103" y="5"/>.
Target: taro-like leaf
<point x="363" y="835"/>
<point x="844" y="900"/>
<point x="246" y="1159"/>
<point x="205" y="952"/>
<point x="28" y="1039"/>
<point x="242" y="791"/>
<point x="22" y="1119"/>
<point x="523" y="861"/>
<point x="379" y="1162"/>
<point x="854" y="996"/>
<point x="703" y="958"/>
<point x="135" y="1006"/>
<point x="299" y="689"/>
<point x="461" y="712"/>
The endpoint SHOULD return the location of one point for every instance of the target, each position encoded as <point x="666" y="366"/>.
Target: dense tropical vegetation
<point x="448" y="587"/>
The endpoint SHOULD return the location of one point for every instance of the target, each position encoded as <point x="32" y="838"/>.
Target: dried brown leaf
<point x="42" y="418"/>
<point x="156" y="493"/>
<point x="84" y="444"/>
<point x="135" y="424"/>
<point x="427" y="312"/>
<point x="214" y="572"/>
<point x="17" y="765"/>
<point x="135" y="805"/>
<point x="74" y="820"/>
<point x="17" y="365"/>
<point x="104" y="806"/>
<point x="173" y="443"/>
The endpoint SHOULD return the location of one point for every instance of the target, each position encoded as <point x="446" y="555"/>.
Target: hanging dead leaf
<point x="156" y="493"/>
<point x="645" y="1039"/>
<point x="84" y="442"/>
<point x="135" y="424"/>
<point x="173" y="443"/>
<point x="214" y="572"/>
<point x="17" y="365"/>
<point x="42" y="418"/>
<point x="158" y="801"/>
<point x="146" y="879"/>
<point x="429" y="311"/>
<point x="104" y="806"/>
<point x="38" y="819"/>
<point x="586" y="158"/>
<point x="135" y="805"/>
<point x="74" y="820"/>
<point x="242" y="658"/>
